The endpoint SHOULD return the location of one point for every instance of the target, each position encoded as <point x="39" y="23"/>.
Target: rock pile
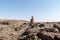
<point x="30" y="31"/>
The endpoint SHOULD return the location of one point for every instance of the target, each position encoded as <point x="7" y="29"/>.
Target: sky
<point x="41" y="10"/>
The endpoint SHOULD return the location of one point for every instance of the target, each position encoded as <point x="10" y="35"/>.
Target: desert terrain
<point x="29" y="30"/>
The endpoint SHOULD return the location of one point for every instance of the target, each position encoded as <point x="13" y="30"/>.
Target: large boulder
<point x="56" y="26"/>
<point x="43" y="36"/>
<point x="57" y="38"/>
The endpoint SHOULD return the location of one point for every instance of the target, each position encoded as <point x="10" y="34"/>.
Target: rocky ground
<point x="23" y="30"/>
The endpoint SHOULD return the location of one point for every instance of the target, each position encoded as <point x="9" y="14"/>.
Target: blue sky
<point x="42" y="10"/>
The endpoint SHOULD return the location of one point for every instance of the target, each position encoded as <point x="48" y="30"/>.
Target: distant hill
<point x="11" y="22"/>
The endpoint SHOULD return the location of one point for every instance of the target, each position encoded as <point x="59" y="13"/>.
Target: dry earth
<point x="23" y="30"/>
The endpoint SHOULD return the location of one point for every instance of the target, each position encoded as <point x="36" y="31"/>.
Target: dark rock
<point x="41" y="30"/>
<point x="17" y="28"/>
<point x="43" y="37"/>
<point x="41" y="25"/>
<point x="24" y="23"/>
<point x="57" y="38"/>
<point x="1" y="29"/>
<point x="56" y="26"/>
<point x="28" y="37"/>
<point x="49" y="29"/>
<point x="25" y="33"/>
<point x="21" y="26"/>
<point x="1" y="39"/>
<point x="13" y="25"/>
<point x="5" y="23"/>
<point x="32" y="26"/>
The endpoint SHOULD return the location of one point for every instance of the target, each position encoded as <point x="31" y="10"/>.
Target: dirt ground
<point x="23" y="30"/>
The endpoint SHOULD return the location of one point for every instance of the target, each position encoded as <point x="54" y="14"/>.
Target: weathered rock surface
<point x="17" y="30"/>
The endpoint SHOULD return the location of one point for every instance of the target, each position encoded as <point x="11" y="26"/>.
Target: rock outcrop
<point x="23" y="30"/>
<point x="32" y="21"/>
